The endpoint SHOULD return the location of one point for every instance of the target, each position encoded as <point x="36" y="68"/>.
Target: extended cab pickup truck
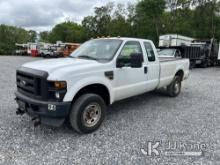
<point x="99" y="73"/>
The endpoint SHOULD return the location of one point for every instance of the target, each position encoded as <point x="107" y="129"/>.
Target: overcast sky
<point x="44" y="14"/>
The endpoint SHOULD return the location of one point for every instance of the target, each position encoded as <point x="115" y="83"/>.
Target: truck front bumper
<point x="49" y="113"/>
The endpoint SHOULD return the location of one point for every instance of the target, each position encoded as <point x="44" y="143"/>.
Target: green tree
<point x="67" y="32"/>
<point x="119" y="24"/>
<point x="32" y="35"/>
<point x="90" y="26"/>
<point x="10" y="35"/>
<point x="98" y="25"/>
<point x="205" y="19"/>
<point x="148" y="23"/>
<point x="45" y="36"/>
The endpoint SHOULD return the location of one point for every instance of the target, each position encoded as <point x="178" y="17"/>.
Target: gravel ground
<point x="191" y="118"/>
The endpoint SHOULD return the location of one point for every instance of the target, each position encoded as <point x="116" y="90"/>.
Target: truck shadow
<point x="127" y="106"/>
<point x="132" y="102"/>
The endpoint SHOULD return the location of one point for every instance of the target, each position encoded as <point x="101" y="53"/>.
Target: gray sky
<point x="44" y="14"/>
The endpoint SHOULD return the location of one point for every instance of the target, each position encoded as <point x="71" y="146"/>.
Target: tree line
<point x="145" y="19"/>
<point x="10" y="35"/>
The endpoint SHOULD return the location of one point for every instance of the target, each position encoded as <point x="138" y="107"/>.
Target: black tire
<point x="192" y="64"/>
<point x="79" y="109"/>
<point x="214" y="63"/>
<point x="174" y="88"/>
<point x="204" y="64"/>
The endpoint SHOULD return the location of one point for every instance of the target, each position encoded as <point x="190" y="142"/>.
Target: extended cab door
<point x="129" y="81"/>
<point x="153" y="66"/>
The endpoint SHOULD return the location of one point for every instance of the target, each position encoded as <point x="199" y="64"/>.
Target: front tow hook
<point x="36" y="121"/>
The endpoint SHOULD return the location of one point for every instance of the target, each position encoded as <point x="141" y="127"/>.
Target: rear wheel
<point x="174" y="88"/>
<point x="87" y="113"/>
<point x="204" y="64"/>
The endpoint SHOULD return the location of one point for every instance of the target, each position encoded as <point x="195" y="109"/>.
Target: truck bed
<point x="168" y="68"/>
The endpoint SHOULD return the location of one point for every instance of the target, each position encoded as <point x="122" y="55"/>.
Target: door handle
<point x="145" y="70"/>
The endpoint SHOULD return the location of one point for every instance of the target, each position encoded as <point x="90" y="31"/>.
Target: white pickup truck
<point x="99" y="73"/>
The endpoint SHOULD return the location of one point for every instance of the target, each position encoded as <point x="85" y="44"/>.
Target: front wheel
<point x="174" y="88"/>
<point x="87" y="113"/>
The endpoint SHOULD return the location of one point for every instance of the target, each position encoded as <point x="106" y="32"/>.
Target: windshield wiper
<point x="87" y="57"/>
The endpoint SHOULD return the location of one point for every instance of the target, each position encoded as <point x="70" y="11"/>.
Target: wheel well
<point x="98" y="89"/>
<point x="180" y="73"/>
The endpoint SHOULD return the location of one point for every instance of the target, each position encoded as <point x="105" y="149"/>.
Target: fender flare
<point x="180" y="68"/>
<point x="73" y="90"/>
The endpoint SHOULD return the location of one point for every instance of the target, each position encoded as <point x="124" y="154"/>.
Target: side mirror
<point x="136" y="60"/>
<point x="121" y="62"/>
<point x="152" y="56"/>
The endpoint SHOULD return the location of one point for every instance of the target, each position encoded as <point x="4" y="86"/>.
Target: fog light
<point x="57" y="95"/>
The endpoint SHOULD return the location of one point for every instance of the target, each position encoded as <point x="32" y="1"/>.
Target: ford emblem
<point x="23" y="83"/>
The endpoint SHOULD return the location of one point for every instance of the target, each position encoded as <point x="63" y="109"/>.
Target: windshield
<point x="102" y="49"/>
<point x="166" y="52"/>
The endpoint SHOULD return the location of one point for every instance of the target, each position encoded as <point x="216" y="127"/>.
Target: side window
<point x="149" y="52"/>
<point x="129" y="48"/>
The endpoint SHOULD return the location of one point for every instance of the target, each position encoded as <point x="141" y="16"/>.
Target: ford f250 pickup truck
<point x="100" y="72"/>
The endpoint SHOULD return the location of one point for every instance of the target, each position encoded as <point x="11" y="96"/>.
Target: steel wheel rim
<point x="92" y="115"/>
<point x="177" y="87"/>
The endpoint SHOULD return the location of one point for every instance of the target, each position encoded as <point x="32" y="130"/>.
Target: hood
<point x="53" y="65"/>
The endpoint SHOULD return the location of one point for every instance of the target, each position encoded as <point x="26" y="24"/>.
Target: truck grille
<point x="28" y="84"/>
<point x="32" y="84"/>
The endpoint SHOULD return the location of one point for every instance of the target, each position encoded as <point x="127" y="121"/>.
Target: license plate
<point x="21" y="105"/>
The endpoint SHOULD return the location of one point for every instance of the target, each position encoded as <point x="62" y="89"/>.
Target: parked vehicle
<point x="69" y="48"/>
<point x="29" y="48"/>
<point x="21" y="49"/>
<point x="34" y="49"/>
<point x="200" y="52"/>
<point x="203" y="52"/>
<point x="97" y="74"/>
<point x="66" y="49"/>
<point x="46" y="52"/>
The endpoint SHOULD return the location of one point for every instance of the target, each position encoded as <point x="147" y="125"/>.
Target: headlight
<point x="57" y="90"/>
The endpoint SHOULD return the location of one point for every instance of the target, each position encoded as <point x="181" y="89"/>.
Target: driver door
<point x="129" y="81"/>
